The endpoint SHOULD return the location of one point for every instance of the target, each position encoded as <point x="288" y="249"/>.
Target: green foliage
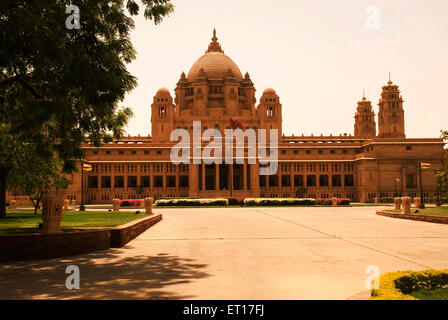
<point x="398" y="285"/>
<point x="279" y="202"/>
<point x="61" y="87"/>
<point x="386" y="200"/>
<point x="37" y="176"/>
<point x="191" y="202"/>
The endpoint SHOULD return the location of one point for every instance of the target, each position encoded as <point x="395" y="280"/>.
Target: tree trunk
<point x="3" y="176"/>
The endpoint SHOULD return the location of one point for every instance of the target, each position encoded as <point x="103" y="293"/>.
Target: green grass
<point x="442" y="212"/>
<point x="434" y="294"/>
<point x="27" y="222"/>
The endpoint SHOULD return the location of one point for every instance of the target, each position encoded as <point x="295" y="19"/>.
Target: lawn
<point x="26" y="222"/>
<point x="443" y="212"/>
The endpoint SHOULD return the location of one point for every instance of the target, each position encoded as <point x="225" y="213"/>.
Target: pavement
<point x="241" y="253"/>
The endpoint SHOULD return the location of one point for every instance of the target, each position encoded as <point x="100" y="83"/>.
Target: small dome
<point x="163" y="90"/>
<point x="269" y="90"/>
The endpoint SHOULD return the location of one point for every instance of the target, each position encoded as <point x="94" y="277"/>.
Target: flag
<point x="235" y="124"/>
<point x="86" y="167"/>
<point x="425" y="165"/>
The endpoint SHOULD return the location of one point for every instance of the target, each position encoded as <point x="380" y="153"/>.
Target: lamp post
<point x="395" y="186"/>
<point x="422" y="203"/>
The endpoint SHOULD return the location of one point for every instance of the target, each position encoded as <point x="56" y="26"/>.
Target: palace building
<point x="375" y="162"/>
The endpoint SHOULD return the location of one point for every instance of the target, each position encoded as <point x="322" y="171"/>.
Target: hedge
<point x="386" y="200"/>
<point x="191" y="202"/>
<point x="398" y="285"/>
<point x="329" y="201"/>
<point x="279" y="202"/>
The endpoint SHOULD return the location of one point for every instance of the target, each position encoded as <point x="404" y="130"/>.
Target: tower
<point x="365" y="126"/>
<point x="391" y="113"/>
<point x="162" y="116"/>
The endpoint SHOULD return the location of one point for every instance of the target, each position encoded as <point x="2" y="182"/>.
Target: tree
<point x="37" y="177"/>
<point x="61" y="87"/>
<point x="300" y="191"/>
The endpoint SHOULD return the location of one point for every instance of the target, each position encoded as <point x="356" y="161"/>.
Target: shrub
<point x="398" y="285"/>
<point x="279" y="202"/>
<point x="125" y="203"/>
<point x="386" y="200"/>
<point x="329" y="201"/>
<point x="191" y="202"/>
<point x="236" y="201"/>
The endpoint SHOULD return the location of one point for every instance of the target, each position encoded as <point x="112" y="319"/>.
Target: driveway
<point x="241" y="253"/>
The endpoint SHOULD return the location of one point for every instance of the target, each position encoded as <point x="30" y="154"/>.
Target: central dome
<point x="215" y="63"/>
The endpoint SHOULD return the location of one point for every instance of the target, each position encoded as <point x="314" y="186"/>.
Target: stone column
<point x="164" y="173"/>
<point x="376" y="200"/>
<point x="73" y="203"/>
<point x="13" y="204"/>
<point x="177" y="170"/>
<point x="397" y="203"/>
<point x="151" y="177"/>
<point x="255" y="179"/>
<point x="417" y="202"/>
<point x="116" y="205"/>
<point x="52" y="212"/>
<point x="193" y="180"/>
<point x="216" y="176"/>
<point x="203" y="166"/>
<point x="66" y="204"/>
<point x="406" y="202"/>
<point x="148" y="205"/>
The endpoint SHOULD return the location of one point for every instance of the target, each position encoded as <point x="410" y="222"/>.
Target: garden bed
<point x="412" y="285"/>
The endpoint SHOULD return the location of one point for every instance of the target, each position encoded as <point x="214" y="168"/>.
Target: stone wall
<point x="123" y="234"/>
<point x="418" y="217"/>
<point x="19" y="247"/>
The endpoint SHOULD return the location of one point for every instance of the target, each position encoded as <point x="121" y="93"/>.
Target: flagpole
<point x="422" y="203"/>
<point x="82" y="208"/>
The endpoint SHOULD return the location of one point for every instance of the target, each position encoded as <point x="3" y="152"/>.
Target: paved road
<point x="242" y="253"/>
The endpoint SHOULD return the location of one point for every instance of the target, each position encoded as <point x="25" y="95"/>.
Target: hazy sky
<point x="317" y="54"/>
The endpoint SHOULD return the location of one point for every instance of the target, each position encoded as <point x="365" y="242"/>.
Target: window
<point x="262" y="181"/>
<point x="108" y="152"/>
<point x="408" y="148"/>
<point x="273" y="181"/>
<point x="283" y="151"/>
<point x="145" y="181"/>
<point x="95" y="152"/>
<point x="320" y="151"/>
<point x="298" y="180"/>
<point x="93" y="182"/>
<point x="132" y="181"/>
<point x="183" y="181"/>
<point x="158" y="181"/>
<point x="336" y="180"/>
<point x="332" y="151"/>
<point x="308" y="151"/>
<point x="311" y="181"/>
<point x="105" y="182"/>
<point x="286" y="180"/>
<point x="270" y="111"/>
<point x="119" y="182"/>
<point x="410" y="181"/>
<point x="323" y="180"/>
<point x="134" y="152"/>
<point x="296" y="151"/>
<point x="349" y="180"/>
<point x="159" y="151"/>
<point x="162" y="111"/>
<point x="171" y="181"/>
<point x="120" y="152"/>
<point x="146" y="152"/>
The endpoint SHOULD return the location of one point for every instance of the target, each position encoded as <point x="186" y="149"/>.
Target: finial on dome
<point x="363" y="94"/>
<point x="390" y="81"/>
<point x="214" y="46"/>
